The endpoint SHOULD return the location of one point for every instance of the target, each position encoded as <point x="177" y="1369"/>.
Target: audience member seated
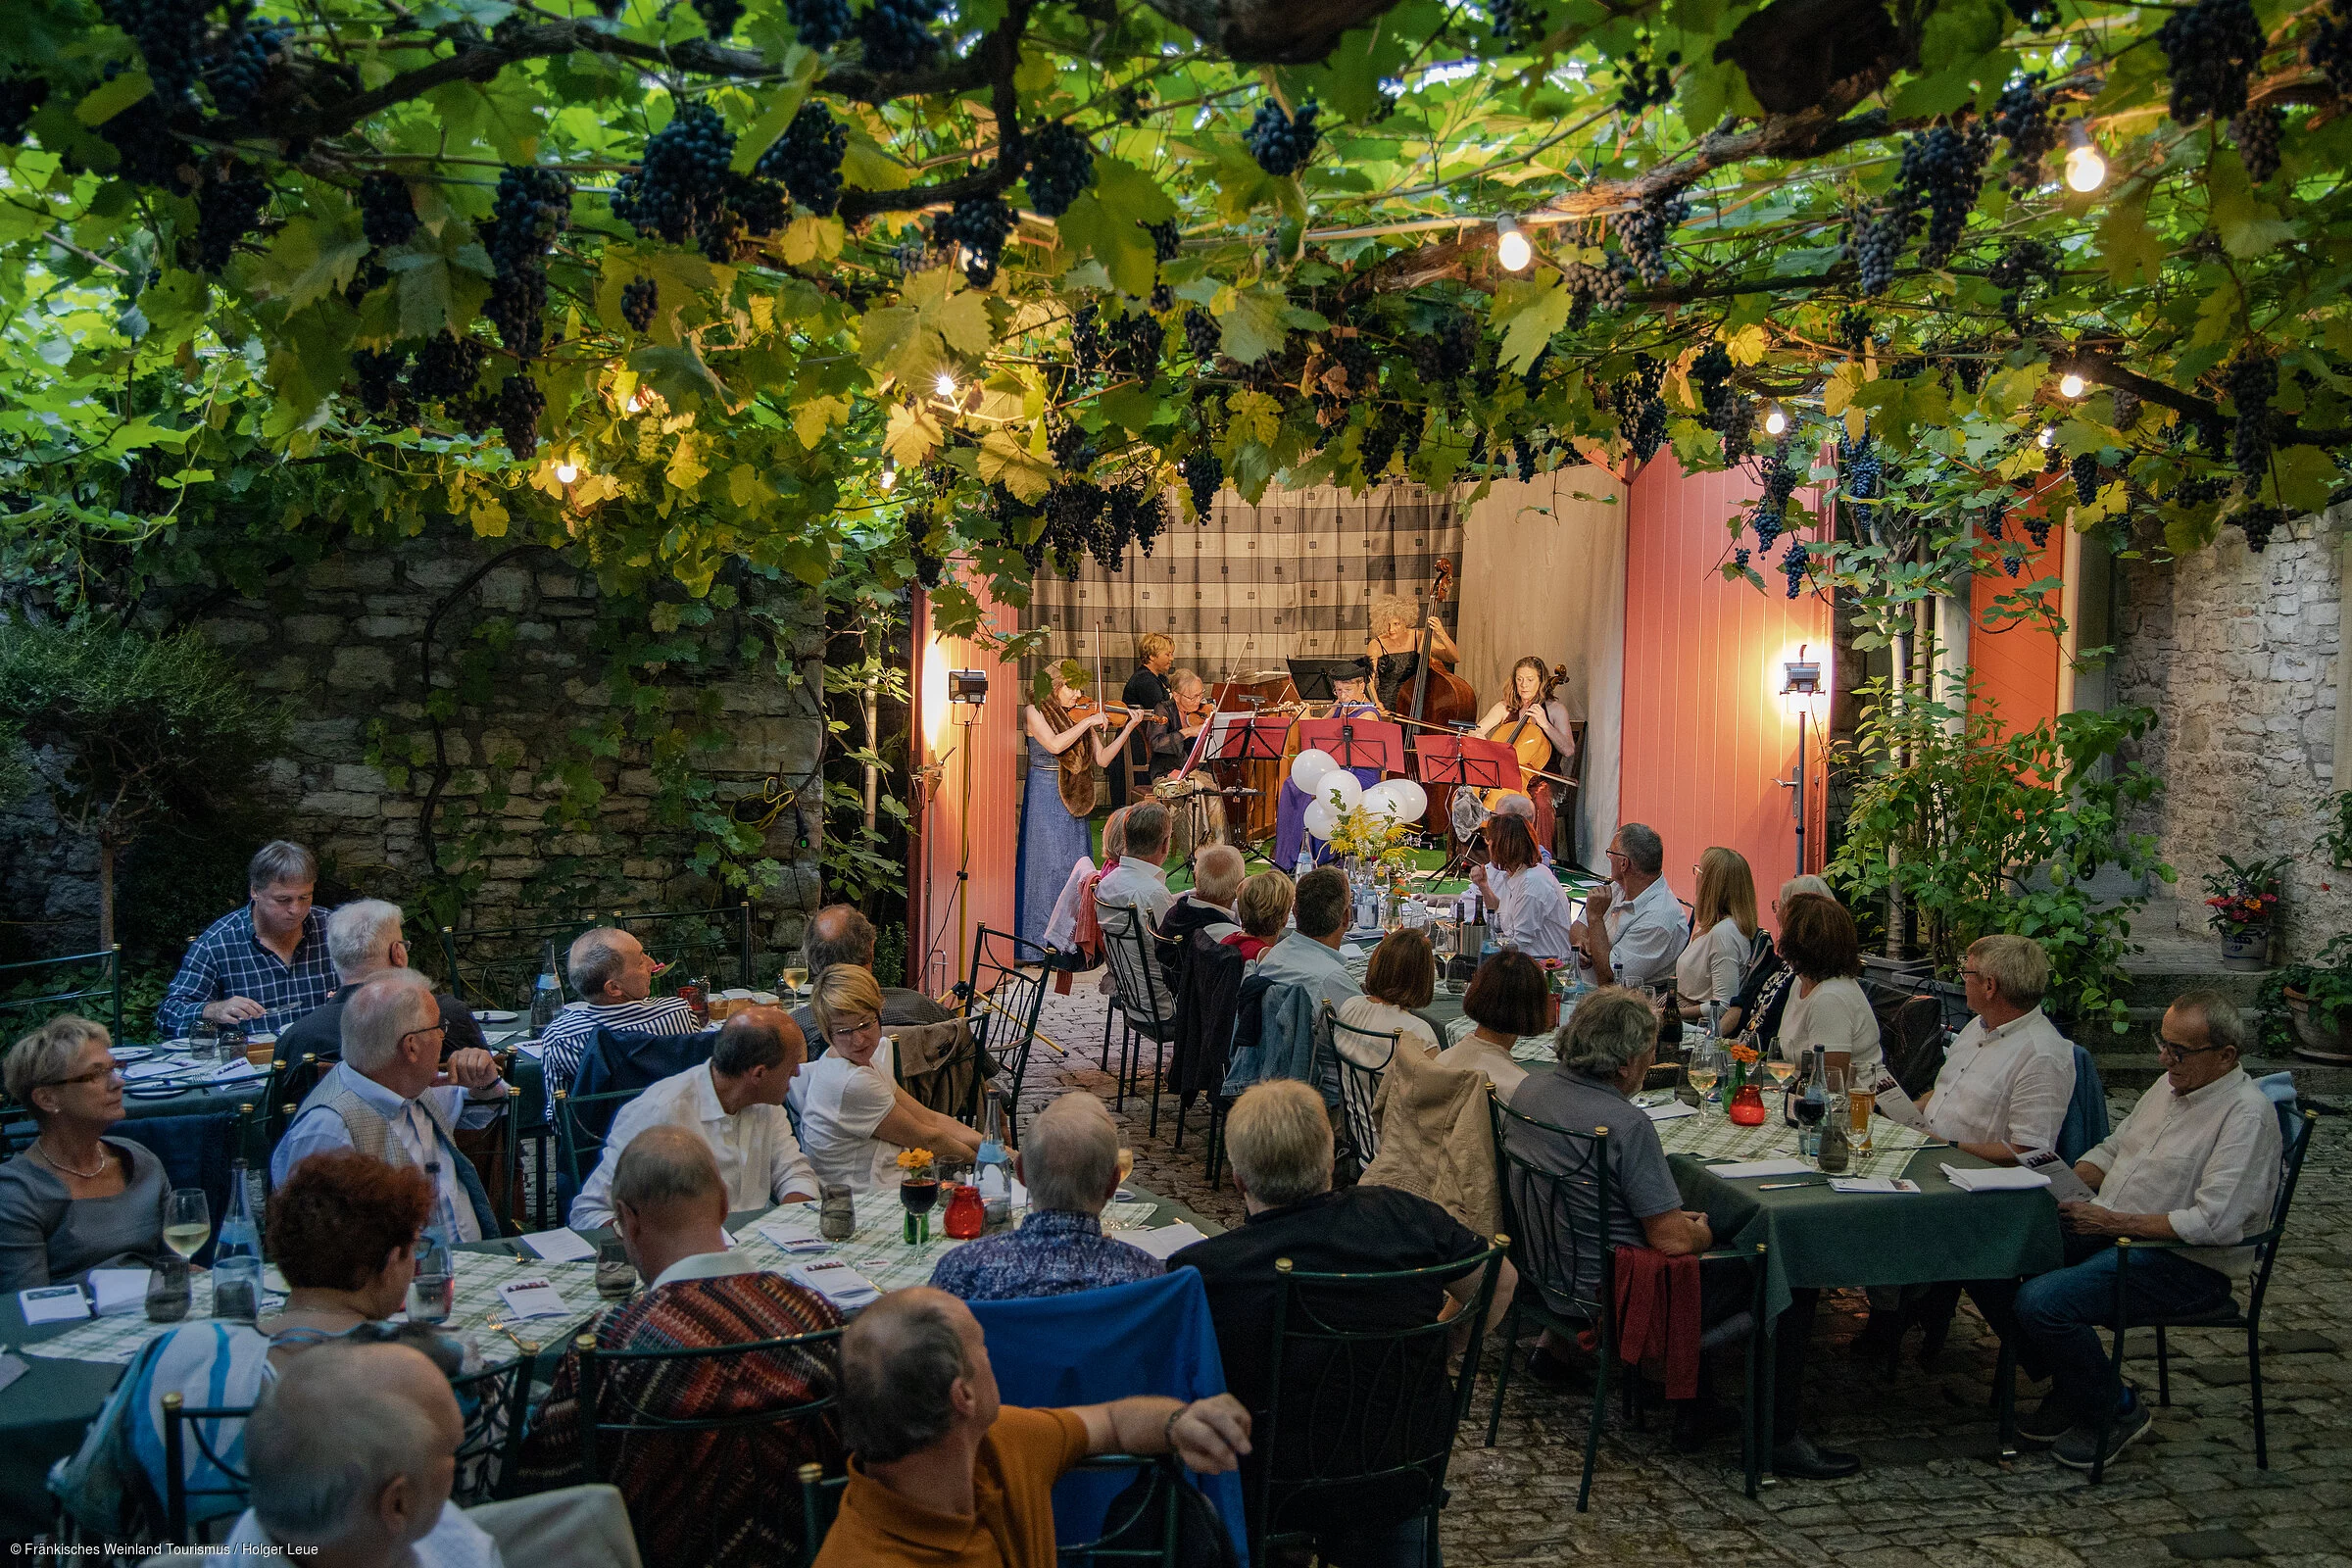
<point x="1069" y="1160"/>
<point x="2195" y="1162"/>
<point x="353" y="1451"/>
<point x="1605" y="1048"/>
<point x="1512" y="802"/>
<point x="855" y="1118"/>
<point x="721" y="1498"/>
<point x="364" y="939"/>
<point x="1137" y="879"/>
<point x="1279" y="1137"/>
<point x="392" y="1097"/>
<point x="1531" y="912"/>
<point x="1309" y="956"/>
<point x="344" y="1231"/>
<point x="75" y="1201"/>
<point x="1506" y="1000"/>
<point x="735" y="1102"/>
<point x="1264" y="909"/>
<point x="1206" y="906"/>
<point x="838" y="933"/>
<point x="1723" y="933"/>
<point x="1634" y="928"/>
<point x="942" y="1473"/>
<point x="614" y="978"/>
<point x="1401" y="977"/>
<point x="1825" y="1010"/>
<point x="261" y="966"/>
<point x="1755" y="1012"/>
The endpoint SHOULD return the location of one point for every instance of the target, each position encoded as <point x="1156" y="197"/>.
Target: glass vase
<point x="1746" y="1107"/>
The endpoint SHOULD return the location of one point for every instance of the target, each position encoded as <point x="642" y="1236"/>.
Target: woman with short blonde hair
<point x="74" y="1200"/>
<point x="1263" y="909"/>
<point x="855" y="1118"/>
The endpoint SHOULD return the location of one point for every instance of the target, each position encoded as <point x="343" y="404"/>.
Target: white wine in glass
<point x="1702" y="1079"/>
<point x="1782" y="1071"/>
<point x="794" y="977"/>
<point x="187" y="1221"/>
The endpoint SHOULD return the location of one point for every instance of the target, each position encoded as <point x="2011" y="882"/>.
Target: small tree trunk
<point x="106" y="895"/>
<point x="870" y="707"/>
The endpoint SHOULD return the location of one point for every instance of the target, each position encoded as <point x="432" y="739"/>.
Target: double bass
<point x="1441" y="699"/>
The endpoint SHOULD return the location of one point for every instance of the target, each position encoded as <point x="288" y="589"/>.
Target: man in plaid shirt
<point x="262" y="966"/>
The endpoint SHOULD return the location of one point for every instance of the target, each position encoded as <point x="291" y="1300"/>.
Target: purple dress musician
<point x="1290" y="819"/>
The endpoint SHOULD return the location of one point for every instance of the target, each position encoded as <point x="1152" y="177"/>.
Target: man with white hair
<point x="1207" y="906"/>
<point x="393" y="1097"/>
<point x="364" y="939"/>
<point x="613" y="975"/>
<point x="1634" y="927"/>
<point x="1071" y="1161"/>
<point x="352" y="1452"/>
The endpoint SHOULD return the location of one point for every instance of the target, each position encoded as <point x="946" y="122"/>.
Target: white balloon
<point x="1412" y="800"/>
<point x="1382" y="800"/>
<point x="1307" y="770"/>
<point x="1343" y="784"/>
<point x="1320" y="819"/>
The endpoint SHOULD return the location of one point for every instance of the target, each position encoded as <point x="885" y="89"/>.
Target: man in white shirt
<point x="352" y="1452"/>
<point x="736" y="1103"/>
<point x="614" y="978"/>
<point x="1634" y="927"/>
<point x="1140" y="880"/>
<point x="2007" y="1080"/>
<point x="2195" y="1162"/>
<point x="393" y="1097"/>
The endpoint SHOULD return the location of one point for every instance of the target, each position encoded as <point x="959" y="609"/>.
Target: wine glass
<point x="794" y="977"/>
<point x="1705" y="1070"/>
<point x="1782" y="1071"/>
<point x="187" y="1220"/>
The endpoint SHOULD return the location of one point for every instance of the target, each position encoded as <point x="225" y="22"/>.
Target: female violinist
<point x="1349" y="698"/>
<point x="1069" y="739"/>
<point x="1394" y="647"/>
<point x="1535" y="724"/>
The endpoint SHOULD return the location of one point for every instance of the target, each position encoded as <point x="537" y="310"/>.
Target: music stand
<point x="1356" y="741"/>
<point x="1248" y="738"/>
<point x="1467" y="761"/>
<point x="1314" y="676"/>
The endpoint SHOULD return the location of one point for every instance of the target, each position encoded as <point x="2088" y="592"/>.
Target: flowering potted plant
<point x="2310" y="1006"/>
<point x="1375" y="841"/>
<point x="2243" y="900"/>
<point x="919" y="1192"/>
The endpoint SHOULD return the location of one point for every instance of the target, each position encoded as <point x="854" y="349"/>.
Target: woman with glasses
<point x="75" y="1201"/>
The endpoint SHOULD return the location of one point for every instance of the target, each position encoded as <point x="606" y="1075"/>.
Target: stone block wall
<point x="2238" y="655"/>
<point x="341" y="642"/>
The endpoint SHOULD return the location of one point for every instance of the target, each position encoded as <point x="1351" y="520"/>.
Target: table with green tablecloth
<point x="72" y="1367"/>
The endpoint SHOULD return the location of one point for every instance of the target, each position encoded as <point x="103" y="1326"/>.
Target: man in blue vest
<point x="394" y="1097"/>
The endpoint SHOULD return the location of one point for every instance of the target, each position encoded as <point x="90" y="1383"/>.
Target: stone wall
<point x="341" y="642"/>
<point x="2237" y="653"/>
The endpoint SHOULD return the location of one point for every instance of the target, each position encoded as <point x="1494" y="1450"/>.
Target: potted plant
<point x="2245" y="900"/>
<point x="2310" y="1004"/>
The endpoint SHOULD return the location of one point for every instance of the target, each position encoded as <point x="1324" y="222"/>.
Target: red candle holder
<point x="1747" y="1107"/>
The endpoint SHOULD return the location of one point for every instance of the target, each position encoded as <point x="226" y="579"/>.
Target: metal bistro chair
<point x="1127" y="1542"/>
<point x="578" y="1146"/>
<point x="1549" y="1217"/>
<point x="109" y="984"/>
<point x="1366" y="1400"/>
<point x="1359" y="1085"/>
<point x="1146" y="1005"/>
<point x="1003" y="1002"/>
<point x="181" y="1424"/>
<point x="2296" y="1126"/>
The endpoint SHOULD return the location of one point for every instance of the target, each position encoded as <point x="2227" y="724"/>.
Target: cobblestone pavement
<point x="1929" y="1489"/>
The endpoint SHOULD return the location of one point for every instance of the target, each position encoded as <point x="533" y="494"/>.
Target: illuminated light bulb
<point x="2086" y="169"/>
<point x="2069" y="385"/>
<point x="1511" y="246"/>
<point x="2049" y="433"/>
<point x="944" y="386"/>
<point x="566" y="472"/>
<point x="890" y="473"/>
<point x="1775" y="420"/>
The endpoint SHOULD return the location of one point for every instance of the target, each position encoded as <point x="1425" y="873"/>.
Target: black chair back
<point x="1555" y="1208"/>
<point x="184" y="1424"/>
<point x="1003" y="1001"/>
<point x="496" y="1406"/>
<point x="55" y="983"/>
<point x="726" y="1363"/>
<point x="1359" y="1084"/>
<point x="1144" y="994"/>
<point x="577" y="1148"/>
<point x="1362" y="1420"/>
<point x="2295" y="1128"/>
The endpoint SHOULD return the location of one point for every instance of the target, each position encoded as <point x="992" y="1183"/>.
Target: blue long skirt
<point x="1052" y="842"/>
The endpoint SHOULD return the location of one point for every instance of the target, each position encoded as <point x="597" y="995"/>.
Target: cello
<point x="1527" y="742"/>
<point x="1440" y="698"/>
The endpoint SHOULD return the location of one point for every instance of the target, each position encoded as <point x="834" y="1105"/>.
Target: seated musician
<point x="1147" y="693"/>
<point x="1349" y="698"/>
<point x="1535" y="724"/>
<point x="1395" y="648"/>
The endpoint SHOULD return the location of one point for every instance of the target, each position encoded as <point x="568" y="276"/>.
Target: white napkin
<point x="534" y="1298"/>
<point x="121" y="1292"/>
<point x="837" y="1283"/>
<point x="1165" y="1240"/>
<point x="1995" y="1179"/>
<point x="1669" y="1110"/>
<point x="560" y="1247"/>
<point x="1740" y="1170"/>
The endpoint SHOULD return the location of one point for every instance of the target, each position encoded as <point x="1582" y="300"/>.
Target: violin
<point x="1086" y="708"/>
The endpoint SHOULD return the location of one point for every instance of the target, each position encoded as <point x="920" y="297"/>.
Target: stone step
<point x="2130" y="1071"/>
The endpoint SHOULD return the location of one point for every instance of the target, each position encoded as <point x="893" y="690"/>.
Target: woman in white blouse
<point x="1827" y="1010"/>
<point x="1724" y="918"/>
<point x="854" y="1119"/>
<point x="1531" y="912"/>
<point x="1401" y="976"/>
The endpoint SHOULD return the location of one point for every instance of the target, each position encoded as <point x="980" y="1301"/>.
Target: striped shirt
<point x="566" y="1038"/>
<point x="230" y="960"/>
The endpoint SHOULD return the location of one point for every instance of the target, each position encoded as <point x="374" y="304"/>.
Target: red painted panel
<point x="1706" y="730"/>
<point x="972" y="821"/>
<point x="2017" y="663"/>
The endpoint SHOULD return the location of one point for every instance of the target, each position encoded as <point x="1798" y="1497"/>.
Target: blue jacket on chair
<point x="2085" y="1126"/>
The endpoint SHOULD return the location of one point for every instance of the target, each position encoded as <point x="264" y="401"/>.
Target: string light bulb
<point x="945" y="385"/>
<point x="1511" y="246"/>
<point x="2085" y="168"/>
<point x="2049" y="433"/>
<point x="567" y="472"/>
<point x="1776" y="420"/>
<point x="2071" y="385"/>
<point x="890" y="473"/>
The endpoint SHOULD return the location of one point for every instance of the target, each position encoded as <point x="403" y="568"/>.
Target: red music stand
<point x="1357" y="741"/>
<point x="1467" y="761"/>
<point x="1255" y="738"/>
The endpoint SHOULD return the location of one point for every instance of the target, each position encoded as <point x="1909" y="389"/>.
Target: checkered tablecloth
<point x="1709" y="1136"/>
<point x="116" y="1339"/>
<point x="878" y="1247"/>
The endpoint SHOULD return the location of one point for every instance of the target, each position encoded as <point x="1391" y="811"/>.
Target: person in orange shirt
<point x="944" y="1476"/>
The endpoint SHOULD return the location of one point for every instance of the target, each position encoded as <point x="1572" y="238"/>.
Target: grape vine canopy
<point x="803" y="282"/>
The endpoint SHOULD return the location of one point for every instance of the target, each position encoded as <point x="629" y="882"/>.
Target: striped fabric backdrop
<point x="1292" y="578"/>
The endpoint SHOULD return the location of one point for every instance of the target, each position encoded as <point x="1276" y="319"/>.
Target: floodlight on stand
<point x="2071" y="385"/>
<point x="1511" y="246"/>
<point x="2085" y="168"/>
<point x="968" y="690"/>
<point x="1801" y="676"/>
<point x="1776" y="420"/>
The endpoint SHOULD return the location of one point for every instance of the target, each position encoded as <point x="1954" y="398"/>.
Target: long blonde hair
<point x="1727" y="890"/>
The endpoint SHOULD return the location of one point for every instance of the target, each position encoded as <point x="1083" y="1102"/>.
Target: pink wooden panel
<point x="972" y="822"/>
<point x="1706" y="730"/>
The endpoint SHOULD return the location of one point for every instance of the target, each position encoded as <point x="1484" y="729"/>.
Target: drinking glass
<point x="1704" y="1069"/>
<point x="1782" y="1072"/>
<point x="1126" y="1162"/>
<point x="615" y="1275"/>
<point x="187" y="1221"/>
<point x="432" y="1296"/>
<point x="167" y="1291"/>
<point x="794" y="977"/>
<point x="835" y="1212"/>
<point x="1861" y="1103"/>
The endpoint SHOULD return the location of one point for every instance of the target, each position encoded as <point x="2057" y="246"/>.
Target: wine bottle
<point x="237" y="1257"/>
<point x="547" y="996"/>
